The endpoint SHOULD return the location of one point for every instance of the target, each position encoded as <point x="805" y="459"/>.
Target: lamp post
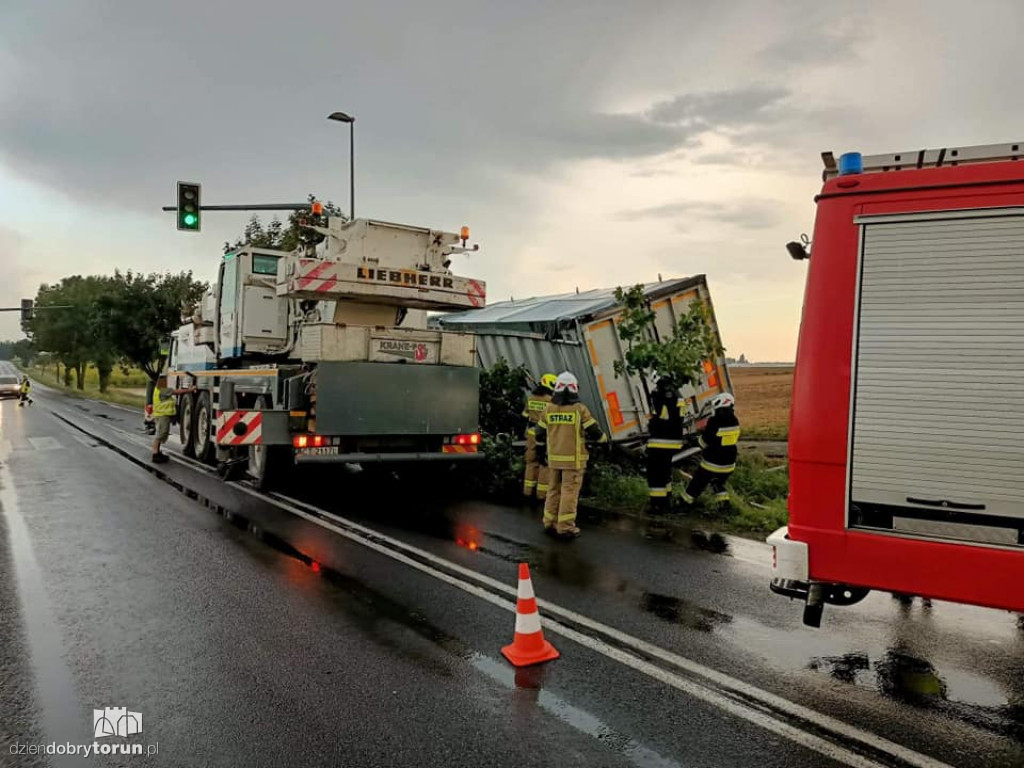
<point x="341" y="117"/>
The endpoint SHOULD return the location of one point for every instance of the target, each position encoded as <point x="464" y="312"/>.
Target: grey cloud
<point x="666" y="211"/>
<point x="723" y="158"/>
<point x="751" y="213"/>
<point x="719" y="109"/>
<point x="138" y="95"/>
<point x="652" y="173"/>
<point x="818" y="40"/>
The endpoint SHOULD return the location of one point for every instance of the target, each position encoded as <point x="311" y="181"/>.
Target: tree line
<point x="108" y="320"/>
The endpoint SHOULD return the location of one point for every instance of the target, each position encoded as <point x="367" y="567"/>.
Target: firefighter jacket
<point x="26" y="387"/>
<point x="666" y="424"/>
<point x="163" y="403"/>
<point x="563" y="431"/>
<point x="536" y="402"/>
<point x="719" y="439"/>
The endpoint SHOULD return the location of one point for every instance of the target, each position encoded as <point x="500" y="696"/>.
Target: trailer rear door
<point x="937" y="418"/>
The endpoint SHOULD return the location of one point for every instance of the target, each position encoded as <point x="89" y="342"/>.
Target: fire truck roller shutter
<point x="937" y="421"/>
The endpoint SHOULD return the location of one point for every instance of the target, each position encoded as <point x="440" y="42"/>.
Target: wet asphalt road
<point x="127" y="593"/>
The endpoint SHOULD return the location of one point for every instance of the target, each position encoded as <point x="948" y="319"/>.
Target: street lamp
<point x="341" y="117"/>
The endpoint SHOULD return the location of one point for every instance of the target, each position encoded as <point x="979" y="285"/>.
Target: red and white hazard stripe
<point x="476" y="293"/>
<point x="240" y="428"/>
<point x="315" y="275"/>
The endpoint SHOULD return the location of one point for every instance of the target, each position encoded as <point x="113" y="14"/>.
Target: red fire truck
<point x="907" y="426"/>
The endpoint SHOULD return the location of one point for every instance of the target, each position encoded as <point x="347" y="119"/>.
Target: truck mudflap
<point x="323" y="456"/>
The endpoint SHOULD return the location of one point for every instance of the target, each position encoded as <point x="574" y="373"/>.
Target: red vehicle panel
<point x="820" y="418"/>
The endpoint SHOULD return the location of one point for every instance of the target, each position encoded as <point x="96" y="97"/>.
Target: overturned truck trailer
<point x="576" y="332"/>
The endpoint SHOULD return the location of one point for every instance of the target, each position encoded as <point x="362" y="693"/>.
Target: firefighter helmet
<point x="566" y="381"/>
<point x="723" y="400"/>
<point x="548" y="381"/>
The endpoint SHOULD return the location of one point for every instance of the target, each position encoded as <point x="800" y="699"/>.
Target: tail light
<point x="471" y="439"/>
<point x="309" y="441"/>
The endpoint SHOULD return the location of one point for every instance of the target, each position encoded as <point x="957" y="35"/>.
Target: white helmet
<point x="566" y="381"/>
<point x="724" y="400"/>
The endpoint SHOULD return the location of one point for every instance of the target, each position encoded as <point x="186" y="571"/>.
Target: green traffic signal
<point x="188" y="206"/>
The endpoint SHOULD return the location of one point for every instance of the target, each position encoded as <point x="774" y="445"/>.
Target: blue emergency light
<point x="851" y="162"/>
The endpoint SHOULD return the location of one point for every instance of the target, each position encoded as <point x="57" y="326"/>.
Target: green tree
<point x="25" y="351"/>
<point x="679" y="355"/>
<point x="139" y="312"/>
<point x="502" y="388"/>
<point x="280" y="237"/>
<point x="68" y="331"/>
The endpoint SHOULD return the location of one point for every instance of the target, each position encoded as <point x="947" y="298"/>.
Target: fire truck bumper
<point x="789" y="558"/>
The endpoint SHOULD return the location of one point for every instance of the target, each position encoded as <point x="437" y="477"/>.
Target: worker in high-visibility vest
<point x="718" y="442"/>
<point x="562" y="434"/>
<point x="26" y="388"/>
<point x="164" y="409"/>
<point x="665" y="430"/>
<point x="535" y="481"/>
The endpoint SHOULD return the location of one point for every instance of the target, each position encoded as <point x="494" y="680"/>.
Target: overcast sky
<point x="587" y="143"/>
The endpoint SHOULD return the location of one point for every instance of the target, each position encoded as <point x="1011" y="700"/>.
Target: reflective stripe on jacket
<point x="563" y="430"/>
<point x="163" y="406"/>
<point x="719" y="440"/>
<point x="667" y="410"/>
<point x="535" y="405"/>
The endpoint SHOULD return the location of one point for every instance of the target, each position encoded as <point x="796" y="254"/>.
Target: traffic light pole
<point x="261" y="207"/>
<point x="36" y="309"/>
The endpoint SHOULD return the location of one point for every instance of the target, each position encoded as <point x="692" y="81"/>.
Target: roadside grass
<point x="758" y="488"/>
<point x="92" y="386"/>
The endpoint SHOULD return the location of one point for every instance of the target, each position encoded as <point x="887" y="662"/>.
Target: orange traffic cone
<point x="529" y="646"/>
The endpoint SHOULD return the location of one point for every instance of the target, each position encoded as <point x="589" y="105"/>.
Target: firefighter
<point x="536" y="478"/>
<point x="164" y="409"/>
<point x="562" y="434"/>
<point x="718" y="441"/>
<point x="666" y="439"/>
<point x="26" y="388"/>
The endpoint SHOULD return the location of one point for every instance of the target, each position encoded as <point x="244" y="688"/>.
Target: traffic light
<point x="188" y="206"/>
<point x="26" y="310"/>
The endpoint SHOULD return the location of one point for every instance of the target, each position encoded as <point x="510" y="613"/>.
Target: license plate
<point x="327" y="450"/>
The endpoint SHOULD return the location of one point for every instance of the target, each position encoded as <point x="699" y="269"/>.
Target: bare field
<point x="762" y="401"/>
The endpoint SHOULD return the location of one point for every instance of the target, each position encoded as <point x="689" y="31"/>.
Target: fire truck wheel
<point x="205" y="449"/>
<point x="186" y="424"/>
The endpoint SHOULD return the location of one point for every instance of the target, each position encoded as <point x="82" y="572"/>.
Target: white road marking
<point x="697" y="690"/>
<point x="397" y="549"/>
<point x="579" y="719"/>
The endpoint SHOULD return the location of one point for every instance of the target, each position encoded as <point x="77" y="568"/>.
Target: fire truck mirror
<point x="797" y="251"/>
